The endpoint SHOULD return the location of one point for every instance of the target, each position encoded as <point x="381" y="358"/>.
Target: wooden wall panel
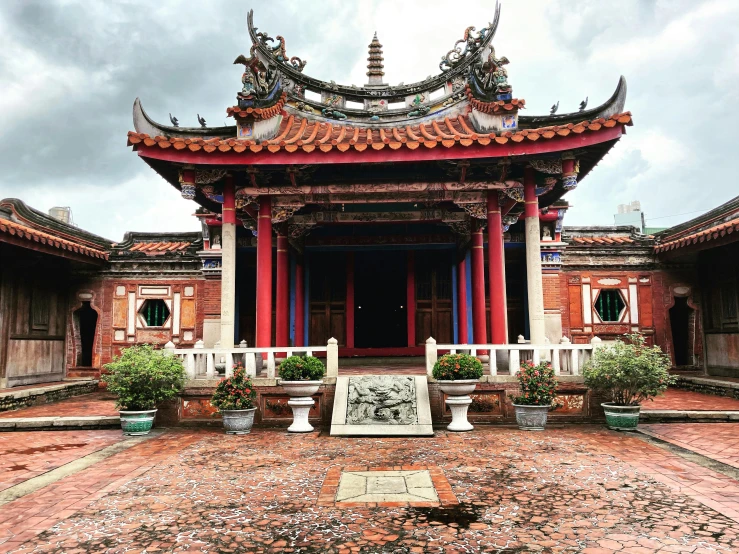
<point x="646" y="310"/>
<point x="187" y="317"/>
<point x="575" y="306"/>
<point x="120" y="312"/>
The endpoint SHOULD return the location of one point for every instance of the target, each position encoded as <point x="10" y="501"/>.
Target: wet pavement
<point x="573" y="489"/>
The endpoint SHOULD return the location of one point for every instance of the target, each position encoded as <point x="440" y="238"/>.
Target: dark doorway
<point x="380" y="319"/>
<point x="681" y="321"/>
<point x="87" y="320"/>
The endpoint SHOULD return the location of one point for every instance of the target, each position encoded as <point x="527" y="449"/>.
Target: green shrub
<point x="455" y="367"/>
<point x="628" y="372"/>
<point x="234" y="393"/>
<point x="142" y="377"/>
<point x="538" y="384"/>
<point x="301" y="368"/>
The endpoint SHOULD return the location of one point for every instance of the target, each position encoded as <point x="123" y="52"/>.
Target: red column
<point x="478" y="288"/>
<point x="496" y="271"/>
<point x="282" y="306"/>
<point x="462" y="301"/>
<point x="350" y="300"/>
<point x="299" y="303"/>
<point x="410" y="299"/>
<point x="264" y="273"/>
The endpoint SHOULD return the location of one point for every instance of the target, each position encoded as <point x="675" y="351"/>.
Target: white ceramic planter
<point x="458" y="400"/>
<point x="301" y="401"/>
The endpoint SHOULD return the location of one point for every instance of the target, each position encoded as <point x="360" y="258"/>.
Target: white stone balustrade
<point x="566" y="358"/>
<point x="201" y="363"/>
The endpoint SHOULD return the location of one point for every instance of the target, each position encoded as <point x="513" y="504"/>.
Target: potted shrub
<point x="142" y="377"/>
<point x="300" y="377"/>
<point x="538" y="389"/>
<point x="627" y="373"/>
<point x="458" y="375"/>
<point x="234" y="397"/>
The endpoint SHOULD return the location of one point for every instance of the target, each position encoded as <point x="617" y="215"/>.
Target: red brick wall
<point x="212" y="299"/>
<point x="655" y="298"/>
<point x="113" y="315"/>
<point x="551" y="286"/>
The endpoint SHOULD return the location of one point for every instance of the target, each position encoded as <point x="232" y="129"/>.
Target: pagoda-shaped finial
<point x="375" y="66"/>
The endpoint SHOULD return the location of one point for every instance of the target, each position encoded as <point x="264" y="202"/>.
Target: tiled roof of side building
<point x="34" y="235"/>
<point x="158" y="244"/>
<point x="711" y="233"/>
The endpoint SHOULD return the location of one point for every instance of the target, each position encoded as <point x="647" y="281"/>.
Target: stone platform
<point x="382" y="405"/>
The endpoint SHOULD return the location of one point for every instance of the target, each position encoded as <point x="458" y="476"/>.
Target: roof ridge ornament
<point x="375" y="66"/>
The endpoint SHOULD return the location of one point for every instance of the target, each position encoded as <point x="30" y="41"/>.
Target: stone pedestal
<point x="459" y="406"/>
<point x="300" y="405"/>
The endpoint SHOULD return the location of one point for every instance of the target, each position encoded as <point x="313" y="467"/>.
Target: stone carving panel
<point x="381" y="400"/>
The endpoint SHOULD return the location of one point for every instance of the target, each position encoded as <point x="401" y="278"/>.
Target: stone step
<point x="683" y="416"/>
<point x="58" y="423"/>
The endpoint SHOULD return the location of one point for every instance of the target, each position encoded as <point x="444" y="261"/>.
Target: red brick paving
<point x="718" y="441"/>
<point x="24" y="455"/>
<point x="677" y="399"/>
<point x="95" y="404"/>
<point x="577" y="489"/>
<point x="25" y="518"/>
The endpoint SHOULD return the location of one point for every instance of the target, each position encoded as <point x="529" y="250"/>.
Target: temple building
<point x="380" y="216"/>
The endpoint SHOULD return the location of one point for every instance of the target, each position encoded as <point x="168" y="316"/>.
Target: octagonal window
<point x="610" y="305"/>
<point x="155" y="312"/>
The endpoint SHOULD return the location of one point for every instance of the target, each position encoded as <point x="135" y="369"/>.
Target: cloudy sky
<point x="70" y="71"/>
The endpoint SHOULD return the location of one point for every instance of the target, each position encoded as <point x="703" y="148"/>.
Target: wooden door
<point x="433" y="298"/>
<point x="36" y="324"/>
<point x="327" y="298"/>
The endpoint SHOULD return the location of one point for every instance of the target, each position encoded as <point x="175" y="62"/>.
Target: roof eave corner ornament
<point x="267" y="44"/>
<point x="472" y="41"/>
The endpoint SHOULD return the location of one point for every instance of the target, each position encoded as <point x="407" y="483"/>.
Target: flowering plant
<point x="628" y="372"/>
<point x="142" y="377"/>
<point x="454" y="367"/>
<point x="538" y="384"/>
<point x="234" y="393"/>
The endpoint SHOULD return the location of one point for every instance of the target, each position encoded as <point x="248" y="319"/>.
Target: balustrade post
<point x="514" y="361"/>
<point x="493" y="362"/>
<point x="431" y="356"/>
<point x="250" y="363"/>
<point x="229" y="359"/>
<point x="332" y="358"/>
<point x="565" y="355"/>
<point x="190" y="365"/>
<point x="210" y="365"/>
<point x="270" y="365"/>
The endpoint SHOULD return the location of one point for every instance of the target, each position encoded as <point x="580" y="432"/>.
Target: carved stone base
<point x="300" y="405"/>
<point x="459" y="406"/>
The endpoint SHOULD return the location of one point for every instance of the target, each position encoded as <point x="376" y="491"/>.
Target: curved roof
<point x="472" y="79"/>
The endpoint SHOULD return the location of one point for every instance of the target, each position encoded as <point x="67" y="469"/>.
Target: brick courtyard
<point x="571" y="489"/>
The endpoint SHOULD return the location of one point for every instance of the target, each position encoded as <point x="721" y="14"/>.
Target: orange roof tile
<point x="603" y="240"/>
<point x="34" y="235"/>
<point x="296" y="132"/>
<point x="154" y="248"/>
<point x="495" y="106"/>
<point x="258" y="113"/>
<point x="715" y="232"/>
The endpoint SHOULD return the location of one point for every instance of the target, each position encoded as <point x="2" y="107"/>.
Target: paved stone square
<point x="572" y="489"/>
